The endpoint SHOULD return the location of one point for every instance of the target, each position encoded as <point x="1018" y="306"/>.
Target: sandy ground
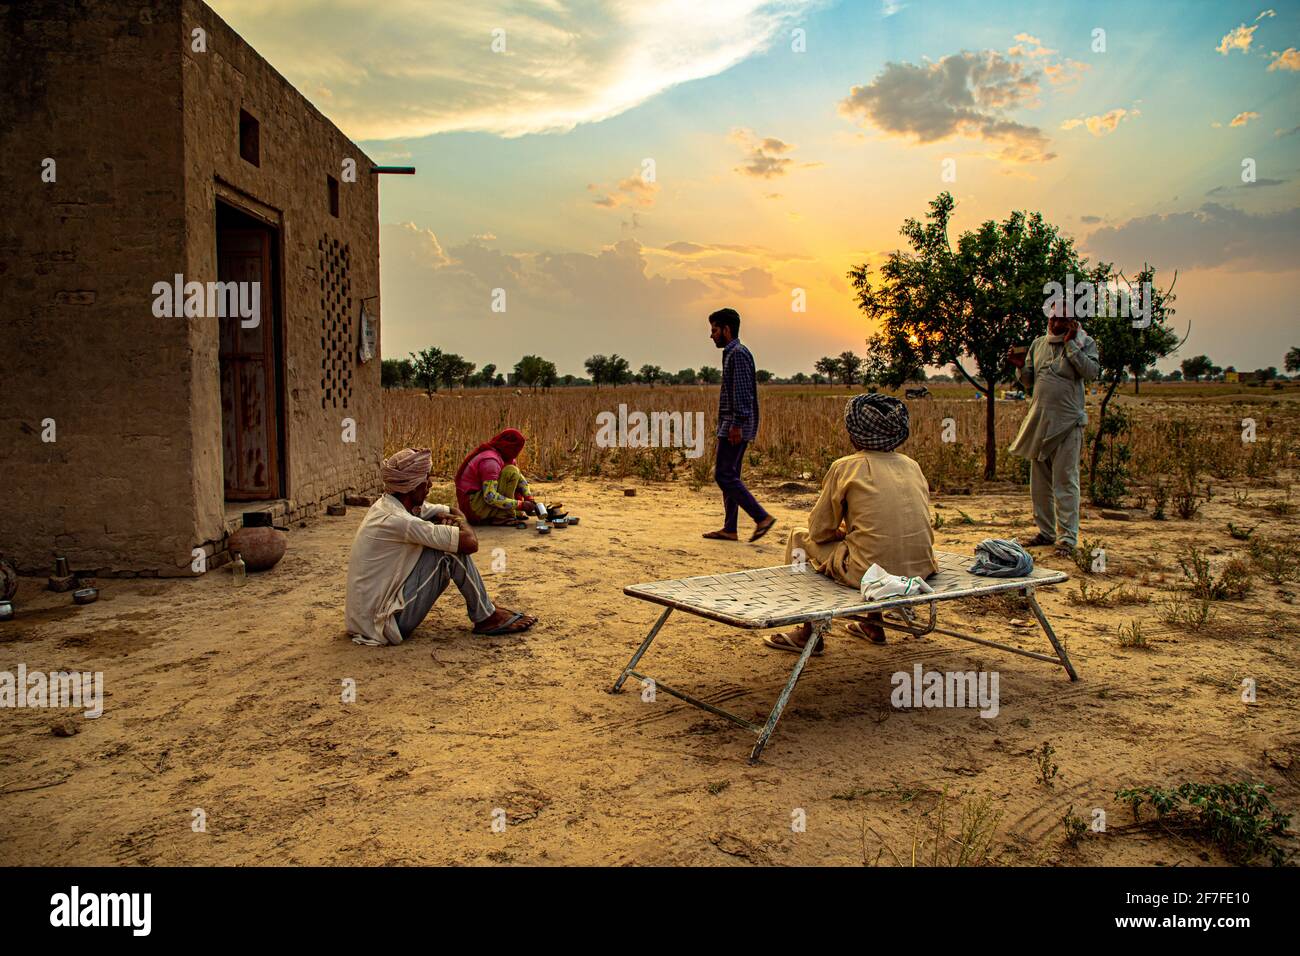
<point x="229" y="701"/>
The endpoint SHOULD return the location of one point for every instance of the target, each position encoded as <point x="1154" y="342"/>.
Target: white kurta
<point x="384" y="552"/>
<point x="1055" y="374"/>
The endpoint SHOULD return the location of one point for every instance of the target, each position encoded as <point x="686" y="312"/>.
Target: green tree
<point x="828" y="367"/>
<point x="685" y="376"/>
<point x="762" y="376"/>
<point x="487" y="375"/>
<point x="649" y="374"/>
<point x="1197" y="367"/>
<point x="1292" y="361"/>
<point x="1125" y="348"/>
<point x="428" y="368"/>
<point x="598" y="368"/>
<point x="849" y="367"/>
<point x="397" y="373"/>
<point x="710" y="375"/>
<point x="938" y="305"/>
<point x="534" y="371"/>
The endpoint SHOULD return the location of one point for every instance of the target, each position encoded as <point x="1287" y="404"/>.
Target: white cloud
<point x="410" y="67"/>
<point x="1241" y="119"/>
<point x="1238" y="38"/>
<point x="1288" y="59"/>
<point x="1101" y="124"/>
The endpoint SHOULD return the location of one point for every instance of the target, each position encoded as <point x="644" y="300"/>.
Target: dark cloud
<point x="962" y="94"/>
<point x="1090" y="219"/>
<point x="1206" y="238"/>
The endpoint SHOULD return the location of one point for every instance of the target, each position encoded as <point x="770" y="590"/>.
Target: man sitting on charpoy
<point x="874" y="508"/>
<point x="490" y="488"/>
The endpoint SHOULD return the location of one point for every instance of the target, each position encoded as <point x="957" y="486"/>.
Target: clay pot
<point x="260" y="548"/>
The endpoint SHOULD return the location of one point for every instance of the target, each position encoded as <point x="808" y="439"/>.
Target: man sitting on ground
<point x="874" y="508"/>
<point x="405" y="553"/>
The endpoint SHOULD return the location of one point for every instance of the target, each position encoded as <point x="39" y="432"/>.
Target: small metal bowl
<point x="85" y="596"/>
<point x="543" y="528"/>
<point x="559" y="522"/>
<point x="571" y="519"/>
<point x="6" y="611"/>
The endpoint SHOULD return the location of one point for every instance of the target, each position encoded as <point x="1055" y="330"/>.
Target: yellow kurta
<point x="874" y="509"/>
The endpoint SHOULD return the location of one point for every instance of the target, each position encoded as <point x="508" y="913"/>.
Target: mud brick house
<point x="144" y="141"/>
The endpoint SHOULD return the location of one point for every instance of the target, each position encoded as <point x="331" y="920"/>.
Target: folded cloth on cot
<point x="999" y="558"/>
<point x="878" y="584"/>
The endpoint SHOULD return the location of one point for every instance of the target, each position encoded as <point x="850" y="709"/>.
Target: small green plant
<point x="1276" y="559"/>
<point x="1239" y="818"/>
<point x="717" y="786"/>
<point x="701" y="472"/>
<point x="1187" y="503"/>
<point x="965" y="518"/>
<point x="1240" y="498"/>
<point x="1131" y="635"/>
<point x="1282" y="507"/>
<point x="1076" y="828"/>
<point x="1233" y="582"/>
<point x="1119" y="594"/>
<point x="1159" y="500"/>
<point x="1083" y="555"/>
<point x="1187" y="613"/>
<point x="1046" y="767"/>
<point x="934" y="845"/>
<point x="938" y="521"/>
<point x="1240" y="534"/>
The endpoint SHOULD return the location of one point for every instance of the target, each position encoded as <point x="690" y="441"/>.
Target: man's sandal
<point x="868" y="631"/>
<point x="505" y="627"/>
<point x="782" y="641"/>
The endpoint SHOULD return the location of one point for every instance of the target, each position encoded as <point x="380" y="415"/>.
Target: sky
<point x="621" y="169"/>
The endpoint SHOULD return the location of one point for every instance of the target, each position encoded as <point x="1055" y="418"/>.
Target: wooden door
<point x="250" y="427"/>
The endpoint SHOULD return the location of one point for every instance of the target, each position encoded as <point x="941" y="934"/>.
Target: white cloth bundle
<point x="878" y="584"/>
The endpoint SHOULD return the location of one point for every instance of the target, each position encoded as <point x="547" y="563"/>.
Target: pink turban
<point x="407" y="470"/>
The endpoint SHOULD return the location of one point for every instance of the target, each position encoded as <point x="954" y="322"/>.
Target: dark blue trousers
<point x="726" y="471"/>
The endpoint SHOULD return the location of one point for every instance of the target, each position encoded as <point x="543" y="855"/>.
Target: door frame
<point x="273" y="219"/>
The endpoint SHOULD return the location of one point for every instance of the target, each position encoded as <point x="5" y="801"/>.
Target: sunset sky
<point x="776" y="169"/>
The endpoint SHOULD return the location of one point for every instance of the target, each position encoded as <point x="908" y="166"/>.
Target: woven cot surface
<point x="775" y="597"/>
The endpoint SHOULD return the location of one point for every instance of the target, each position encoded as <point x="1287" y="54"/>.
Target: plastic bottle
<point x="238" y="570"/>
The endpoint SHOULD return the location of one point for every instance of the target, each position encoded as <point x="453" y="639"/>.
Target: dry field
<point x="228" y="701"/>
<point x="802" y="430"/>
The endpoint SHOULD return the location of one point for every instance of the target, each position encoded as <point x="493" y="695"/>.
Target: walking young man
<point x="737" y="426"/>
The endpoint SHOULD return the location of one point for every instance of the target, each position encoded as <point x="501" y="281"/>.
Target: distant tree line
<point x="432" y="369"/>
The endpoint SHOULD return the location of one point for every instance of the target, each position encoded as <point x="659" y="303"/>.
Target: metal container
<point x="61" y="567"/>
<point x="571" y="519"/>
<point x="6" y="611"/>
<point x="559" y="522"/>
<point x="543" y="528"/>
<point x="85" y="596"/>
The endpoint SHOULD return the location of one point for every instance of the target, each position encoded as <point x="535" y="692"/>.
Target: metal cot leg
<point x="819" y="629"/>
<point x="1051" y="635"/>
<point x="654" y="631"/>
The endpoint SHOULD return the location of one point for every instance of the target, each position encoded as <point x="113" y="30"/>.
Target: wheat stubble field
<point x="229" y="701"/>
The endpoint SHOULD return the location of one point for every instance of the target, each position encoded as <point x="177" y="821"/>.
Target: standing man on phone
<point x="1054" y="369"/>
<point x="737" y="426"/>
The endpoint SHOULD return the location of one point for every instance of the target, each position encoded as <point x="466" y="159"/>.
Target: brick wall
<point x="96" y="87"/>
